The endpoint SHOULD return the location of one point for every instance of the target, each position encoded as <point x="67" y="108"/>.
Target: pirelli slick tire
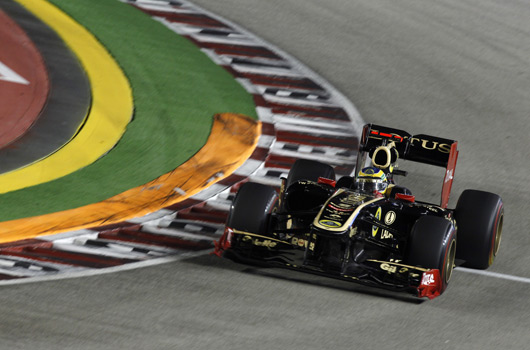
<point x="479" y="217"/>
<point x="432" y="245"/>
<point x="305" y="169"/>
<point x="251" y="208"/>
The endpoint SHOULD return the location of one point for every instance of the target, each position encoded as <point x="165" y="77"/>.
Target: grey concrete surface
<point x="454" y="68"/>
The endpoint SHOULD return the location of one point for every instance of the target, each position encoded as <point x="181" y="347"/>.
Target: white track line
<point x="164" y="260"/>
<point x="495" y="275"/>
<point x="104" y="271"/>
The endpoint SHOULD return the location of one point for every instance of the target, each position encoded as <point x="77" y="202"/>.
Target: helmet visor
<point x="369" y="185"/>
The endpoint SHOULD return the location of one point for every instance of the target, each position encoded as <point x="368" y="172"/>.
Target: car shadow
<point x="211" y="261"/>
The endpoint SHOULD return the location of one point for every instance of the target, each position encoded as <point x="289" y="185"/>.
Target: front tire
<point x="432" y="245"/>
<point x="251" y="208"/>
<point x="479" y="217"/>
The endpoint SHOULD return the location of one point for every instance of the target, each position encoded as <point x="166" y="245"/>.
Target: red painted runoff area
<point x="24" y="83"/>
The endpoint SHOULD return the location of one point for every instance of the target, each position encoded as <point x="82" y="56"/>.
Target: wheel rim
<point x="450" y="261"/>
<point x="498" y="235"/>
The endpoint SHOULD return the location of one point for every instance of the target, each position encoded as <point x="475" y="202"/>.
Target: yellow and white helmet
<point x="372" y="179"/>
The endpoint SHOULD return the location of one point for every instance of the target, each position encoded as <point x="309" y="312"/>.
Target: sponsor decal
<point x="431" y="285"/>
<point x="375" y="229"/>
<point x="260" y="243"/>
<point x="427" y="144"/>
<point x="392" y="136"/>
<point x="428" y="279"/>
<point x="390" y="217"/>
<point x="386" y="235"/>
<point x="329" y="223"/>
<point x="331" y="206"/>
<point x="432" y="145"/>
<point x="389" y="268"/>
<point x="299" y="242"/>
<point x="392" y="268"/>
<point x="351" y="199"/>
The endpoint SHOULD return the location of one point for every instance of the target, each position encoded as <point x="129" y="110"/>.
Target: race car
<point x="365" y="228"/>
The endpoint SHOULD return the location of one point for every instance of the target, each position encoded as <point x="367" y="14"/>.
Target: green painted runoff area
<point x="176" y="89"/>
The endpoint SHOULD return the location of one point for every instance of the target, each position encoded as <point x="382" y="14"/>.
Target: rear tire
<point x="251" y="208"/>
<point x="432" y="245"/>
<point x="479" y="217"/>
<point x="305" y="169"/>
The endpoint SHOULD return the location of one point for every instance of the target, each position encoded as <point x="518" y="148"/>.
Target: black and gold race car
<point x="364" y="227"/>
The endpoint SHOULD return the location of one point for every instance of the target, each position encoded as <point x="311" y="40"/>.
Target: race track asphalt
<point x="453" y="68"/>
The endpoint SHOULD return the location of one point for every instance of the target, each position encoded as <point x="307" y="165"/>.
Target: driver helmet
<point x="372" y="179"/>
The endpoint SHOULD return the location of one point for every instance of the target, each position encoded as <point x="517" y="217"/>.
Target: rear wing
<point x="385" y="145"/>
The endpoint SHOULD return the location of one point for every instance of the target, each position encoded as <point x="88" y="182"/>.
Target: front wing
<point x="291" y="251"/>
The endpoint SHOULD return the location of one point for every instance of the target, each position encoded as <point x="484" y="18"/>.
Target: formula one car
<point x="365" y="228"/>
